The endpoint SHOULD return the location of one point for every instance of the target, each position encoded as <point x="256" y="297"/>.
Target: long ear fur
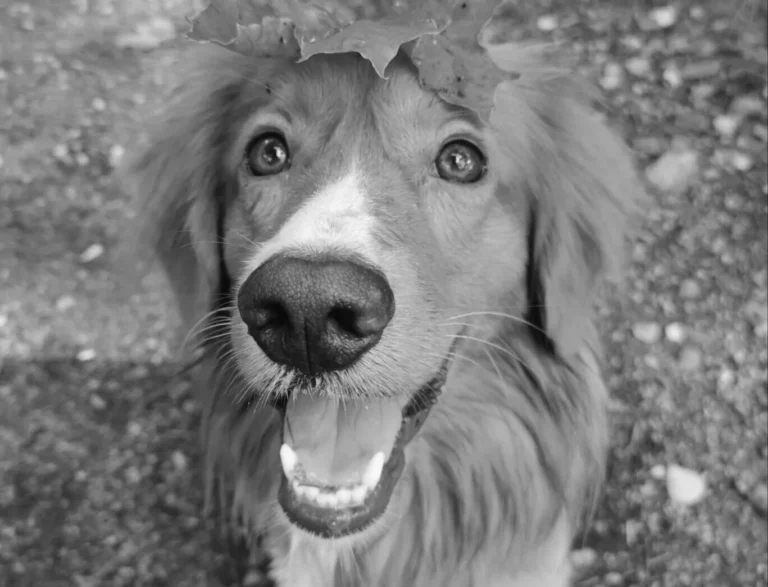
<point x="583" y="188"/>
<point x="180" y="182"/>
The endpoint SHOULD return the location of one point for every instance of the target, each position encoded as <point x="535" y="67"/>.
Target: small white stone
<point x="664" y="16"/>
<point x="685" y="487"/>
<point x="647" y="332"/>
<point x="86" y="355"/>
<point x="99" y="104"/>
<point x="674" y="171"/>
<point x="65" y="303"/>
<point x="92" y="253"/>
<point x="613" y="76"/>
<point x="133" y="429"/>
<point x="116" y="153"/>
<point x="726" y="125"/>
<point x="583" y="558"/>
<point x="658" y="472"/>
<point x="97" y="402"/>
<point x="547" y="23"/>
<point x="672" y="76"/>
<point x="675" y="332"/>
<point x="60" y="151"/>
<point x="179" y="460"/>
<point x="638" y="66"/>
<point x="742" y="161"/>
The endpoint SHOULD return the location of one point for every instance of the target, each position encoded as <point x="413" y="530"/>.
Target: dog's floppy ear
<point x="583" y="188"/>
<point x="179" y="180"/>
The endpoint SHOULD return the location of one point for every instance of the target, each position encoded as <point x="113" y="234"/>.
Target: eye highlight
<point x="267" y="154"/>
<point x="459" y="161"/>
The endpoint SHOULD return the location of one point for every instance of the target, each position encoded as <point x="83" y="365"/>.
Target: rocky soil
<point x="98" y="452"/>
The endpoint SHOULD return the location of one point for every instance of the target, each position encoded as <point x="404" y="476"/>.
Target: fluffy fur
<point x="512" y="456"/>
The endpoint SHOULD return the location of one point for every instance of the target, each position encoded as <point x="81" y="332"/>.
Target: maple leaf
<point x="446" y="39"/>
<point x="377" y="41"/>
<point x="455" y="65"/>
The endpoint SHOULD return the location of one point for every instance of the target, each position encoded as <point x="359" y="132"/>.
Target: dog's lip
<point x="338" y="522"/>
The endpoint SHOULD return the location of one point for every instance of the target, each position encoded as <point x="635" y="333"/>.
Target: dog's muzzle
<point x="341" y="459"/>
<point x="315" y="315"/>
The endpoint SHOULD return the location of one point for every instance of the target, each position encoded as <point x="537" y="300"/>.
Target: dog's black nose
<point x="315" y="315"/>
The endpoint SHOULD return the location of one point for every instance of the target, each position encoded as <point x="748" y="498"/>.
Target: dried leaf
<point x="447" y="40"/>
<point x="378" y="42"/>
<point x="455" y="65"/>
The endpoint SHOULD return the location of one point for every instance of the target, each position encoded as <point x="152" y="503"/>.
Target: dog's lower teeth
<point x="339" y="498"/>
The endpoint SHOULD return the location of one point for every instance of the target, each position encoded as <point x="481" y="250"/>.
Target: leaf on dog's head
<point x="456" y="64"/>
<point x="247" y="27"/>
<point x="447" y="40"/>
<point x="377" y="41"/>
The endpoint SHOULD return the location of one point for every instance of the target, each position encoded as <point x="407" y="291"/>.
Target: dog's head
<point x="353" y="232"/>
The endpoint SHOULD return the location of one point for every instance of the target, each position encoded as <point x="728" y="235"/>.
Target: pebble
<point x="583" y="558"/>
<point x="65" y="303"/>
<point x="690" y="289"/>
<point x="179" y="460"/>
<point x="664" y="16"/>
<point x="741" y="161"/>
<point x="658" y="472"/>
<point x="726" y="125"/>
<point x="86" y="355"/>
<point x="132" y="474"/>
<point x="685" y="486"/>
<point x="99" y="104"/>
<point x="672" y="76"/>
<point x="613" y="76"/>
<point x="690" y="358"/>
<point x="674" y="171"/>
<point x="92" y="253"/>
<point x="133" y="429"/>
<point x="547" y="23"/>
<point x="116" y="153"/>
<point x="748" y="104"/>
<point x="614" y="578"/>
<point x="701" y="70"/>
<point x="647" y="332"/>
<point x="97" y="402"/>
<point x="638" y="66"/>
<point x="61" y="152"/>
<point x="675" y="332"/>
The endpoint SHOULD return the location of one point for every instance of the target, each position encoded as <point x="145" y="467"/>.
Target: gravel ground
<point x="98" y="452"/>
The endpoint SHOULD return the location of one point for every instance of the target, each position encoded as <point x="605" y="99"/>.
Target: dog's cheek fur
<point x="179" y="180"/>
<point x="582" y="186"/>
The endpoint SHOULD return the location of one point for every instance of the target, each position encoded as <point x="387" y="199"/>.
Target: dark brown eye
<point x="460" y="161"/>
<point x="267" y="154"/>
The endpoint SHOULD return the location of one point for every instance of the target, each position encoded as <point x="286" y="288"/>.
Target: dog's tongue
<point x="334" y="441"/>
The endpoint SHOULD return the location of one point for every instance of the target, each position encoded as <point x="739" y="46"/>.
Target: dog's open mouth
<point x="342" y="460"/>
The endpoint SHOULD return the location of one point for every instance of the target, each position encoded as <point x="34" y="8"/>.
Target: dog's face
<point x="362" y="233"/>
<point x="370" y="219"/>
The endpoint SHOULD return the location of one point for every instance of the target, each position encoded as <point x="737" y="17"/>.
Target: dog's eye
<point x="460" y="162"/>
<point x="267" y="154"/>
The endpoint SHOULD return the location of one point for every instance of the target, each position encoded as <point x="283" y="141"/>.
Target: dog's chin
<point x="342" y="460"/>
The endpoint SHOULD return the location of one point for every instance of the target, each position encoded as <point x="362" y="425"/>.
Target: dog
<point x="400" y="376"/>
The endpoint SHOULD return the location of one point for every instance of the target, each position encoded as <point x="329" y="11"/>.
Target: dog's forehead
<point x="346" y="86"/>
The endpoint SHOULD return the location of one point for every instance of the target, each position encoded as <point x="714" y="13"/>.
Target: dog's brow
<point x="460" y="113"/>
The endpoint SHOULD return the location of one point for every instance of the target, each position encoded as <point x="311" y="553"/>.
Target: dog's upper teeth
<point x="289" y="459"/>
<point x="373" y="470"/>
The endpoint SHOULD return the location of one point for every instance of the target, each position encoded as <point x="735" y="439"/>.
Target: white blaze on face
<point x="335" y="219"/>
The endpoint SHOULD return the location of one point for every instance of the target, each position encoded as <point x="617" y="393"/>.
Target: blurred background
<point x="98" y="441"/>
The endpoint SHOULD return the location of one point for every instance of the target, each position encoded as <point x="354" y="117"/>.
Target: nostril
<point x="359" y="322"/>
<point x="346" y="320"/>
